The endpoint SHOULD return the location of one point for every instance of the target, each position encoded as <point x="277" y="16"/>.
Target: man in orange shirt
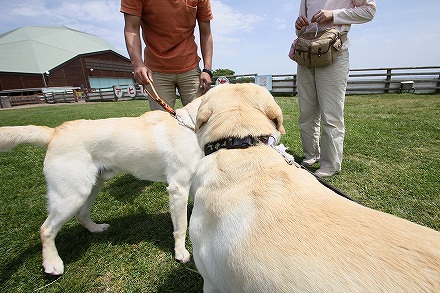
<point x="170" y="59"/>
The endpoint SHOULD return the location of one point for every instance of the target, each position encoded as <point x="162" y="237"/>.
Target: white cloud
<point x="26" y="9"/>
<point x="100" y="17"/>
<point x="281" y="23"/>
<point x="229" y="22"/>
<point x="97" y="11"/>
<point x="232" y="30"/>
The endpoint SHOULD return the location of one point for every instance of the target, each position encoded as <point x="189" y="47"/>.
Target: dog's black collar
<point x="234" y="143"/>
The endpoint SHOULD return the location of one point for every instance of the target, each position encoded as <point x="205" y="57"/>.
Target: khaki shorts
<point x="169" y="86"/>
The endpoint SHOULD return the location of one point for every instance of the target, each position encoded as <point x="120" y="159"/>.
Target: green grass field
<point x="391" y="163"/>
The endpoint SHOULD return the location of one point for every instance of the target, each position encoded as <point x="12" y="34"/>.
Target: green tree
<point x="223" y="72"/>
<point x="249" y="79"/>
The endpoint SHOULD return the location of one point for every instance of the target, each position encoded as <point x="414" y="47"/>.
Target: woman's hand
<point x="323" y="16"/>
<point x="301" y="22"/>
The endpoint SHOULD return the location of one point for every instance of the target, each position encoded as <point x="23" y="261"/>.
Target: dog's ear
<point x="274" y="113"/>
<point x="202" y="115"/>
<point x="280" y="126"/>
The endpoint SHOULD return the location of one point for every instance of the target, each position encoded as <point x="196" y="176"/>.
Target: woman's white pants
<point x="321" y="96"/>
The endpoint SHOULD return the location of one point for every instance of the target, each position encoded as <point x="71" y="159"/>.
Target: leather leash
<point x="155" y="96"/>
<point x="281" y="149"/>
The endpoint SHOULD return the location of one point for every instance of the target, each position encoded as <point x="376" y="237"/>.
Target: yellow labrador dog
<point x="261" y="225"/>
<point x="81" y="154"/>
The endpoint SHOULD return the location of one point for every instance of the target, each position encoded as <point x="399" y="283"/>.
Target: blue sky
<point x="254" y="36"/>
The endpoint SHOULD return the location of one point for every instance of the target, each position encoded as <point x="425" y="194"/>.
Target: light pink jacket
<point x="345" y="13"/>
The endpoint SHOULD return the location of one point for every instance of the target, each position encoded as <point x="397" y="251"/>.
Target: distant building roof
<point x="37" y="49"/>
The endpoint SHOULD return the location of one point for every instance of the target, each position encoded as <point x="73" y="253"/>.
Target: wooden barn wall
<point x="73" y="73"/>
<point x="19" y="81"/>
<point x="70" y="74"/>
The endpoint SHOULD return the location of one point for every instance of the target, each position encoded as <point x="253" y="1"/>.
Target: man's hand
<point x="143" y="75"/>
<point x="205" y="81"/>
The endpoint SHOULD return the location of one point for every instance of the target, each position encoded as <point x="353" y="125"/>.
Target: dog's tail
<point x="12" y="136"/>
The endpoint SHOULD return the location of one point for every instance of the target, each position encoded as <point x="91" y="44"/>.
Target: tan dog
<point x="81" y="154"/>
<point x="261" y="225"/>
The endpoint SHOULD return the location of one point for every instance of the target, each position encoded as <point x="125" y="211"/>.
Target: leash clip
<point x="181" y="122"/>
<point x="281" y="149"/>
<point x="179" y="119"/>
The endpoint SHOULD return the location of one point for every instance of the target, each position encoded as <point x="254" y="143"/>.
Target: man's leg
<point x="165" y="85"/>
<point x="188" y="84"/>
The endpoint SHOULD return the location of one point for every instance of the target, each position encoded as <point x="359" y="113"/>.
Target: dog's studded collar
<point x="235" y="143"/>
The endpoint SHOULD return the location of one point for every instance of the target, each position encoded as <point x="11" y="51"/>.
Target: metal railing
<point x="424" y="79"/>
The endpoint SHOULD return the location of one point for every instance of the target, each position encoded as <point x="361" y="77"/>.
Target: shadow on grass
<point x="132" y="229"/>
<point x="184" y="278"/>
<point x="142" y="226"/>
<point x="125" y="188"/>
<point x="9" y="268"/>
<point x="72" y="243"/>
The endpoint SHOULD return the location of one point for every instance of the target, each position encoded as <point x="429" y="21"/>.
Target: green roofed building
<point x="34" y="57"/>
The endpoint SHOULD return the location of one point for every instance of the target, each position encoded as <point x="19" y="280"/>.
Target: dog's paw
<point x="100" y="228"/>
<point x="53" y="267"/>
<point x="182" y="255"/>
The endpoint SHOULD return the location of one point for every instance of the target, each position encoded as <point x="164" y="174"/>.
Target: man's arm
<point x="134" y="47"/>
<point x="206" y="47"/>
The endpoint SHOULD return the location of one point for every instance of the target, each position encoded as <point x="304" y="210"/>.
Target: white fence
<point x="367" y="81"/>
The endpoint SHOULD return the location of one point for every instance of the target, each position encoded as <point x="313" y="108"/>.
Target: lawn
<point x="391" y="163"/>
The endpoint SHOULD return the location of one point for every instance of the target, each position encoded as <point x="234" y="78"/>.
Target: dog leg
<point x="52" y="263"/>
<point x="67" y="192"/>
<point x="83" y="216"/>
<point x="59" y="214"/>
<point x="178" y="201"/>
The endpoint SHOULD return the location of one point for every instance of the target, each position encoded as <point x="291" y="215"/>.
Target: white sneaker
<point x="321" y="173"/>
<point x="309" y="162"/>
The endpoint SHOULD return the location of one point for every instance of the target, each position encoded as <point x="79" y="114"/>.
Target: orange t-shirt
<point x="168" y="31"/>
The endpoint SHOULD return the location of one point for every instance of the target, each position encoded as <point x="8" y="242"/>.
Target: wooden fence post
<point x="388" y="81"/>
<point x="437" y="90"/>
